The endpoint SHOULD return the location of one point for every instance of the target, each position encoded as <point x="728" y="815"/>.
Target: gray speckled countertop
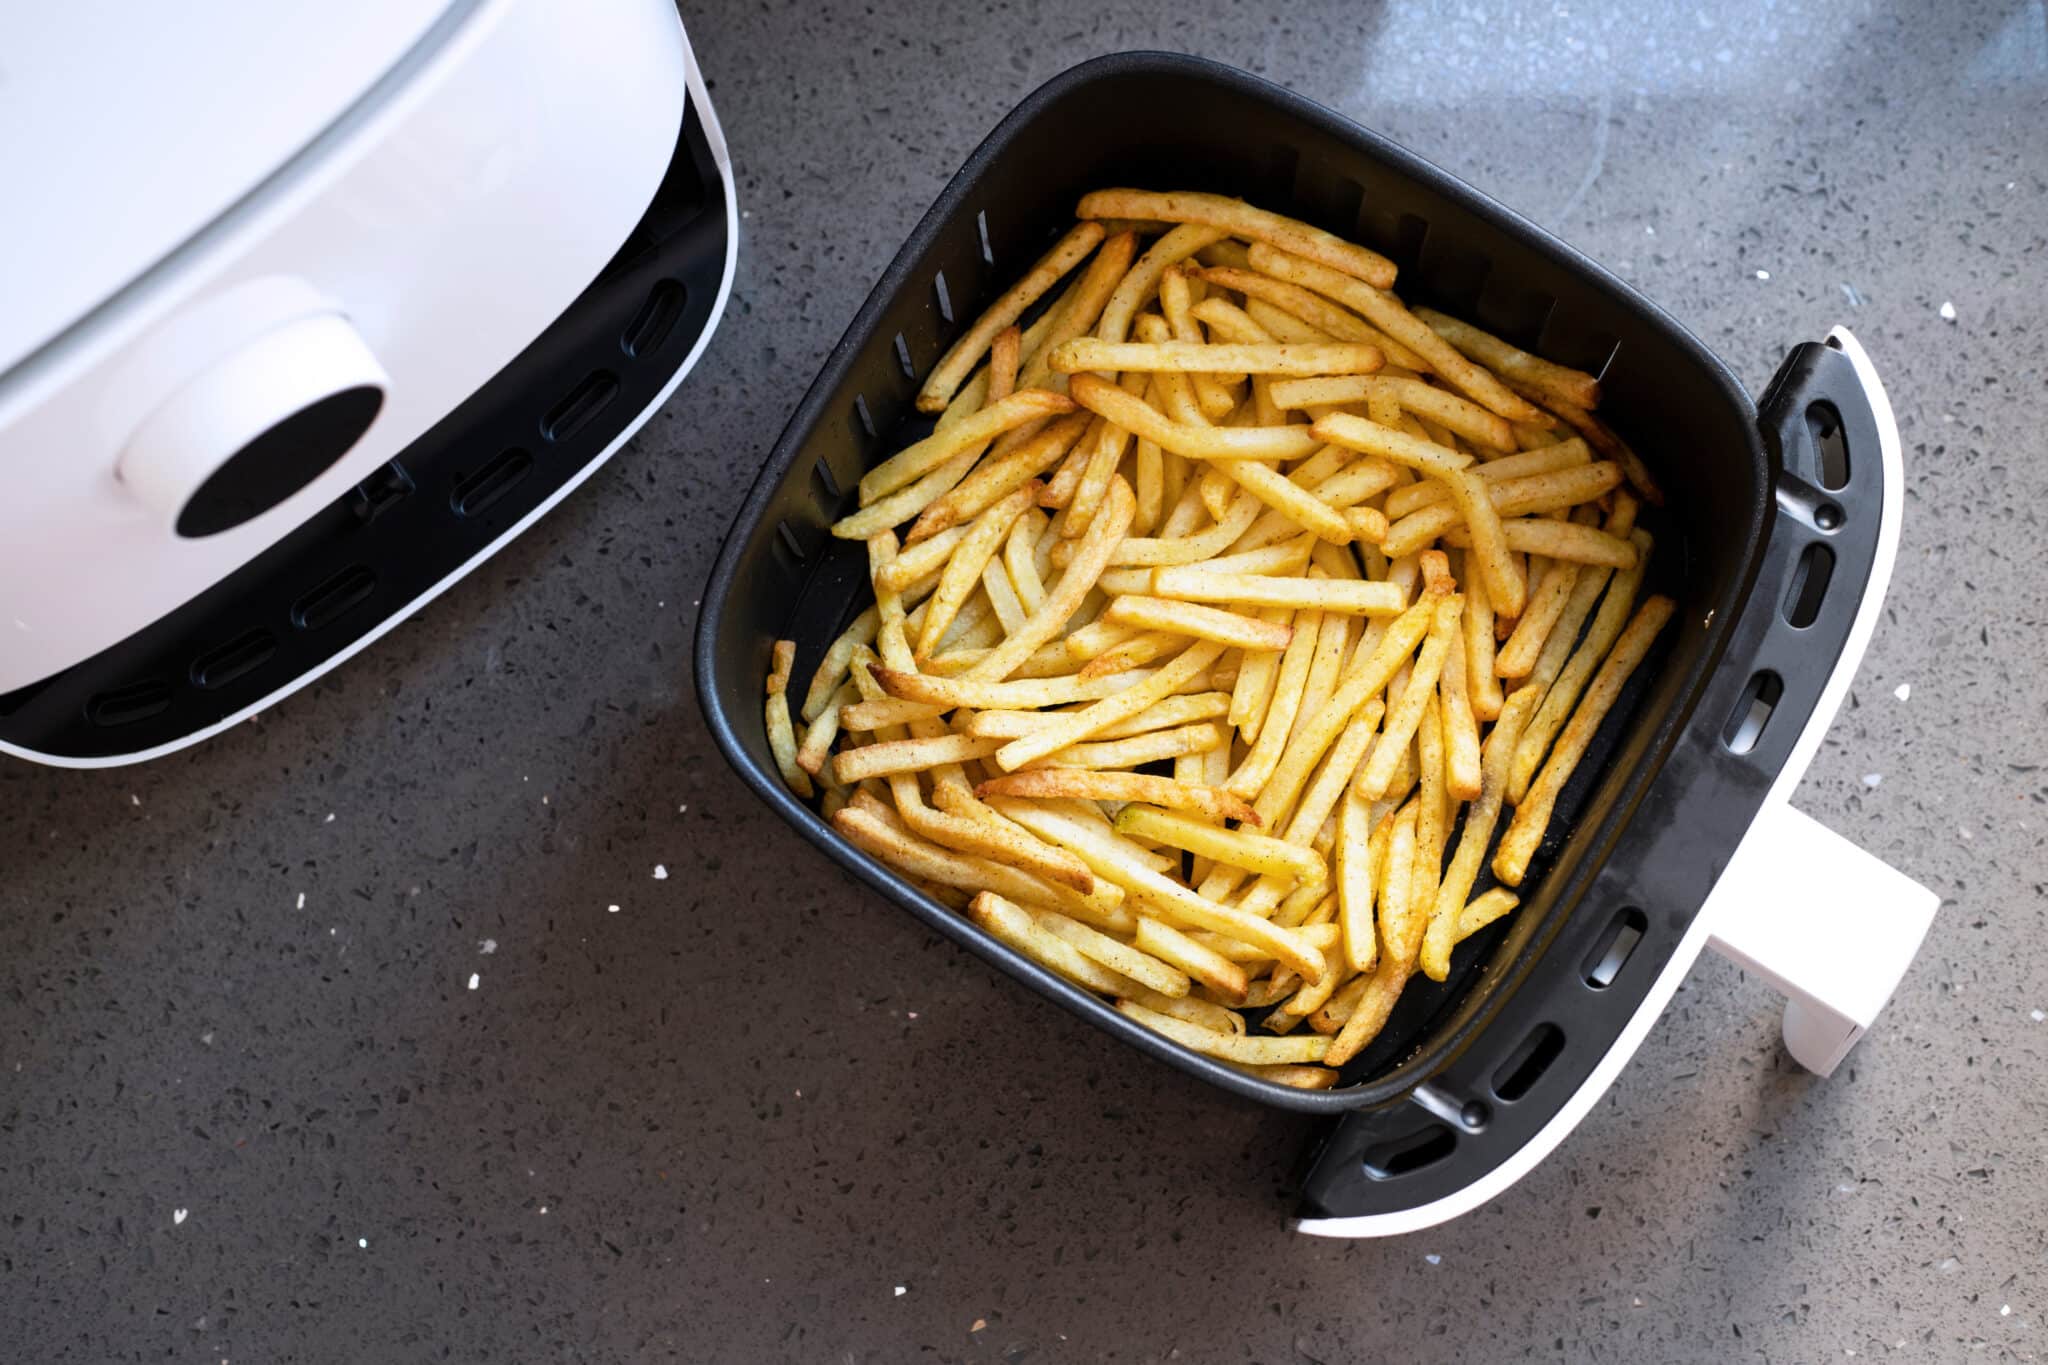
<point x="251" y="1110"/>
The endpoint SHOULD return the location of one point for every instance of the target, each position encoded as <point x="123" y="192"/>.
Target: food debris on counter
<point x="363" y="1242"/>
<point x="487" y="946"/>
<point x="1854" y="295"/>
<point x="1871" y="780"/>
<point x="2037" y="1016"/>
<point x="980" y="1324"/>
<point x="475" y="980"/>
<point x="1434" y="1259"/>
<point x="179" y="1215"/>
<point x="329" y="820"/>
<point x="302" y="901"/>
<point x="134" y="799"/>
<point x="661" y="872"/>
<point x="611" y="909"/>
<point x="901" y="1291"/>
<point x="1948" y="311"/>
<point x="1903" y="691"/>
<point x="1763" y="274"/>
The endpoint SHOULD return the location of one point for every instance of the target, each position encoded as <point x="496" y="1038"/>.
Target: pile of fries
<point x="1216" y="593"/>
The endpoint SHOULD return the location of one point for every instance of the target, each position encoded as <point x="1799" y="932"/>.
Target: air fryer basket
<point x="1660" y="804"/>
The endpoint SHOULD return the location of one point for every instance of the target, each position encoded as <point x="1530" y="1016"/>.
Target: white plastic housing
<point x="1822" y="920"/>
<point x="478" y="166"/>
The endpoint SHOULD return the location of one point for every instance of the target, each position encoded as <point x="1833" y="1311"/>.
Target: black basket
<point x="1662" y="800"/>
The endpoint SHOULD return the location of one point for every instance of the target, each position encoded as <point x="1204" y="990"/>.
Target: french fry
<point x="1456" y="414"/>
<point x="960" y="358"/>
<point x="1240" y="219"/>
<point x="1602" y="438"/>
<point x="1355" y="882"/>
<point x="1248" y="1051"/>
<point x="825" y="683"/>
<point x="1055" y="783"/>
<point x="1456" y="887"/>
<point x="1065" y="599"/>
<point x="1564" y="669"/>
<point x="818" y="737"/>
<point x="1122" y="958"/>
<point x="1183" y="709"/>
<point x="916" y="857"/>
<point x="1082" y="306"/>
<point x="1480" y="677"/>
<point x="1016" y="926"/>
<point x="947" y="693"/>
<point x="914" y="461"/>
<point x="1513" y="363"/>
<point x="963" y="571"/>
<point x="997" y="840"/>
<point x="1462" y="776"/>
<point x="1143" y="278"/>
<point x="1293" y="1077"/>
<point x="1201" y="963"/>
<point x="1240" y="848"/>
<point x="1151" y="747"/>
<point x="1310" y="308"/>
<point x="1483" y="910"/>
<point x="1532" y="816"/>
<point x="1511" y="498"/>
<point x="1196" y="443"/>
<point x="1406" y="713"/>
<point x="1557" y="540"/>
<point x="1189" y="549"/>
<point x="1370" y="438"/>
<point x="1203" y="623"/>
<point x="1289" y="686"/>
<point x="905" y="755"/>
<point x="1180" y="357"/>
<point x="1387" y="313"/>
<point x="1542" y="460"/>
<point x="1348" y="596"/>
<point x="1517" y="656"/>
<point x="781" y="735"/>
<point x="988" y="484"/>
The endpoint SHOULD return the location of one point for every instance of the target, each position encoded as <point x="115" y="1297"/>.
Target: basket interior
<point x="1159" y="124"/>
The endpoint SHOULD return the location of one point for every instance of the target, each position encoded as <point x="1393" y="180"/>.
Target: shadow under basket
<point x="1683" y="762"/>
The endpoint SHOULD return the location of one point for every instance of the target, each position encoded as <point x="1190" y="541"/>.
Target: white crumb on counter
<point x="611" y="909"/>
<point x="2038" y="1016"/>
<point x="475" y="980"/>
<point x="302" y="901"/>
<point x="487" y="946"/>
<point x="1763" y="274"/>
<point x="901" y="1291"/>
<point x="1948" y="311"/>
<point x="1871" y="780"/>
<point x="1903" y="691"/>
<point x="179" y="1215"/>
<point x="661" y="872"/>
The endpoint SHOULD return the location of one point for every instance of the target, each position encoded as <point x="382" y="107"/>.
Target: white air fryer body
<point x="259" y="251"/>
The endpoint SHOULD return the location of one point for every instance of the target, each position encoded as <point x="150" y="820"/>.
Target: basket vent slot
<point x="1826" y="425"/>
<point x="479" y="490"/>
<point x="1809" y="585"/>
<point x="127" y="705"/>
<point x="792" y="541"/>
<point x="655" y="320"/>
<point x="1525" y="1066"/>
<point x="1411" y="1152"/>
<point x="863" y="416"/>
<point x="579" y="406"/>
<point x="945" y="299"/>
<point x="1612" y="950"/>
<point x="829" y="491"/>
<point x="988" y="255"/>
<point x="334" y="598"/>
<point x="236" y="659"/>
<point x="1752" y="712"/>
<point x="903" y="358"/>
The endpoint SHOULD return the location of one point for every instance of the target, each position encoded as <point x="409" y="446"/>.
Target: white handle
<point x="1828" y="924"/>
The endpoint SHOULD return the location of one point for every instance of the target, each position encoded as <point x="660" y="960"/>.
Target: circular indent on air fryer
<point x="280" y="462"/>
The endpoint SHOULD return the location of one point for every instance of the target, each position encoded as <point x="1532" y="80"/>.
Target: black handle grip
<point x="1820" y="430"/>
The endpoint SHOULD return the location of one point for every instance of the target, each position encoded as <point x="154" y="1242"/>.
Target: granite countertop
<point x="465" y="1007"/>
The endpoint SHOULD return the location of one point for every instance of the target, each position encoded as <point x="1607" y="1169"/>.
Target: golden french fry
<point x="817" y="745"/>
<point x="1514" y="363"/>
<point x="905" y="755"/>
<point x="1309" y="308"/>
<point x="1183" y="709"/>
<point x="1602" y="438"/>
<point x="1016" y="926"/>
<point x="962" y="355"/>
<point x="1294" y="1077"/>
<point x="1370" y="438"/>
<point x="1291" y="500"/>
<point x="1289" y="686"/>
<point x="995" y="839"/>
<point x="1532" y="816"/>
<point x="825" y="683"/>
<point x="1202" y="963"/>
<point x="1406" y="713"/>
<point x="1206" y="623"/>
<point x="1517" y="657"/>
<point x="1564" y="669"/>
<point x="1134" y="652"/>
<point x="1454" y="413"/>
<point x="1075" y="726"/>
<point x="916" y="857"/>
<point x="1082" y="306"/>
<point x="1456" y="887"/>
<point x="1355" y="882"/>
<point x="1053" y="783"/>
<point x="915" y="461"/>
<point x="1483" y="910"/>
<point x="1391" y="316"/>
<point x="963" y="571"/>
<point x="1121" y="958"/>
<point x="1201" y="443"/>
<point x="1151" y="747"/>
<point x="1108" y="857"/>
<point x="1189" y="549"/>
<point x="1060" y="604"/>
<point x="996" y="476"/>
<point x="1511" y="498"/>
<point x="1240" y="219"/>
<point x="781" y="735"/>
<point x="1181" y="357"/>
<point x="1542" y="460"/>
<point x="1559" y="540"/>
<point x="1240" y="848"/>
<point x="1349" y="596"/>
<point x="1480" y="677"/>
<point x="1433" y="812"/>
<point x="1462" y="777"/>
<point x="1143" y="278"/>
<point x="947" y="693"/>
<point x="1230" y="1047"/>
